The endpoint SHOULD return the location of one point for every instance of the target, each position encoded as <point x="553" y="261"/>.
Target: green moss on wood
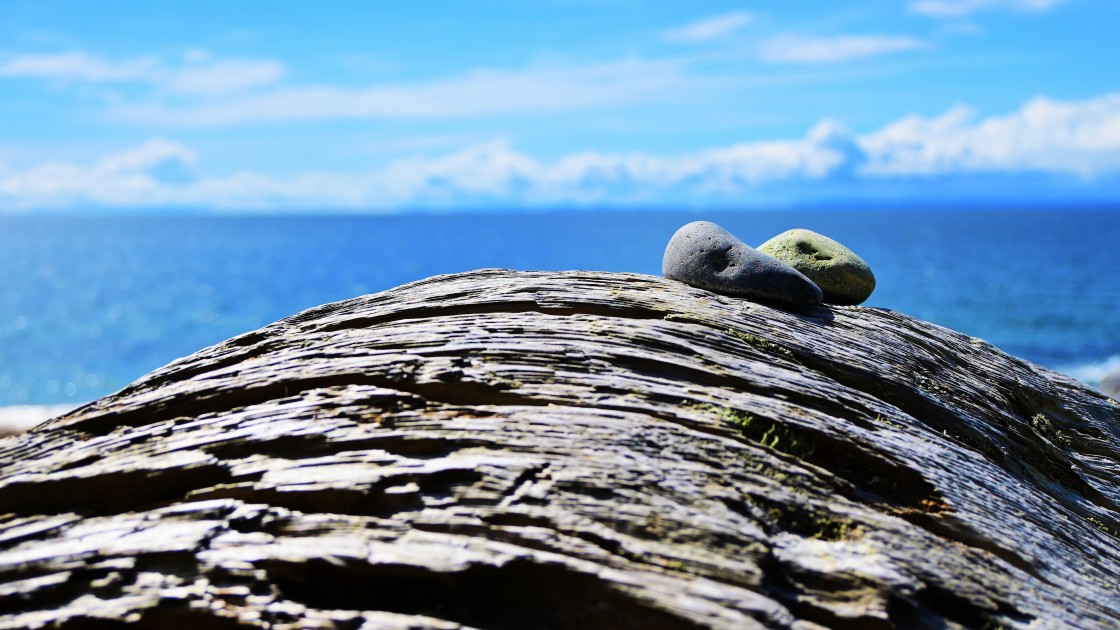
<point x="1096" y="522"/>
<point x="1043" y="427"/>
<point x="891" y="423"/>
<point x="763" y="344"/>
<point x="768" y="433"/>
<point x="815" y="524"/>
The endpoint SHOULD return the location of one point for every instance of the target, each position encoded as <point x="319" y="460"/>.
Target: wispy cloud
<point x="1079" y="139"/>
<point x="198" y="89"/>
<point x="200" y="75"/>
<point x="959" y="8"/>
<point x="145" y="157"/>
<point x="225" y="76"/>
<point x="807" y="49"/>
<point x="77" y="66"/>
<point x="712" y="28"/>
<point x="482" y="92"/>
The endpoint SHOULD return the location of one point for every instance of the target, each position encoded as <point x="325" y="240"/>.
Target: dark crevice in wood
<point x="314" y="445"/>
<point x="1045" y="462"/>
<point x="1032" y="462"/>
<point x="961" y="610"/>
<point x="874" y="477"/>
<point x="53" y="595"/>
<point x="952" y="530"/>
<point x="630" y="311"/>
<point x="777" y="585"/>
<point x="549" y="595"/>
<point x="200" y="403"/>
<point x="910" y="401"/>
<point x="102" y="494"/>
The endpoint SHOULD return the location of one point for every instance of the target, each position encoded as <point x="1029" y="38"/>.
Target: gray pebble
<point x="705" y="255"/>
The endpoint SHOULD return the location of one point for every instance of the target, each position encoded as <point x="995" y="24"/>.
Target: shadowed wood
<point x="500" y="449"/>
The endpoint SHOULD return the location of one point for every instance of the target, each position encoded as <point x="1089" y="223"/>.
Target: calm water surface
<point x="91" y="303"/>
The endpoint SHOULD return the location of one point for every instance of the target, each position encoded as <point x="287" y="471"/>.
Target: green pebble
<point x="842" y="275"/>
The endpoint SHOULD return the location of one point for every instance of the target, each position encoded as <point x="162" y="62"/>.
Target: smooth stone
<point x="843" y="276"/>
<point x="705" y="255"/>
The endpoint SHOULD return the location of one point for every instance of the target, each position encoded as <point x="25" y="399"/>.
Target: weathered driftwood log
<point x="561" y="450"/>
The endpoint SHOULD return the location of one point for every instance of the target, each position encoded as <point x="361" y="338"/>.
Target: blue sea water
<point x="91" y="303"/>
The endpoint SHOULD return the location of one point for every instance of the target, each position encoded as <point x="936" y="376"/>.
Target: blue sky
<point x="376" y="106"/>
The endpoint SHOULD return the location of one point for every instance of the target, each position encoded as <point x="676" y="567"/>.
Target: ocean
<point x="90" y="303"/>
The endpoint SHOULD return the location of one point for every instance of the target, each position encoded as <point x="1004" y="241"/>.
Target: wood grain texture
<point x="503" y="449"/>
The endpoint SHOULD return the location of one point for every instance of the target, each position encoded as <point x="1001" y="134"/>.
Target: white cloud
<point x="198" y="89"/>
<point x="477" y="93"/>
<point x="123" y="179"/>
<point x="201" y="76"/>
<point x="713" y="28"/>
<point x="818" y="50"/>
<point x="491" y="171"/>
<point x="77" y="66"/>
<point x="224" y="76"/>
<point x="959" y="8"/>
<point x="150" y="154"/>
<point x="1080" y="138"/>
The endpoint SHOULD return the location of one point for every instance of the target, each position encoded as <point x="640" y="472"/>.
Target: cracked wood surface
<point x="502" y="449"/>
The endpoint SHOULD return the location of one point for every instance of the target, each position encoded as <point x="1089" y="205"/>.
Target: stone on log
<point x="707" y="256"/>
<point x="840" y="273"/>
<point x="499" y="449"/>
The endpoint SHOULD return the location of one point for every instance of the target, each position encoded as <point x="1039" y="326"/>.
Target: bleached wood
<point x="501" y="449"/>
